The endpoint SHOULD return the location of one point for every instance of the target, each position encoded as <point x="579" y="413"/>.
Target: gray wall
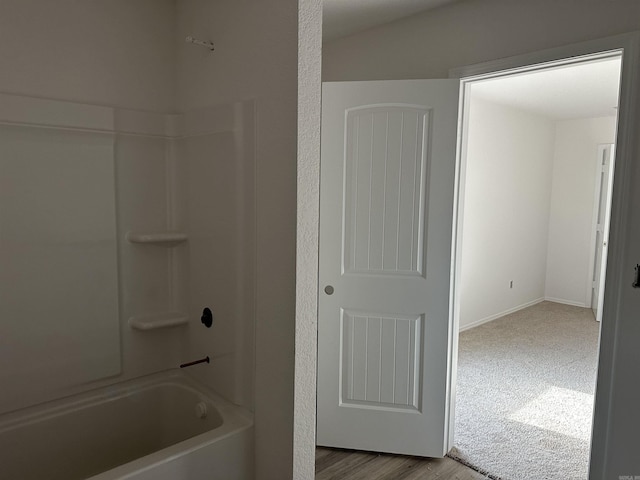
<point x="116" y="53"/>
<point x="472" y="31"/>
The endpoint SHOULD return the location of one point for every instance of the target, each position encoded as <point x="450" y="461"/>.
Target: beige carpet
<point x="525" y="394"/>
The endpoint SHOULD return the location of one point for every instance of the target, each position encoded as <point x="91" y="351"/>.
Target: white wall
<point x="572" y="203"/>
<point x="256" y="58"/>
<point x="117" y="53"/>
<point x="506" y="210"/>
<point x="427" y="45"/>
<point x="529" y="200"/>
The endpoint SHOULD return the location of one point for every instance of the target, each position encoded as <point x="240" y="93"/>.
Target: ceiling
<point x="579" y="91"/>
<point x="344" y="17"/>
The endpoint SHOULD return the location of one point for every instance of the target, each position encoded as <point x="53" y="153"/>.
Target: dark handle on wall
<point x="195" y="362"/>
<point x="636" y="282"/>
<point x="207" y="318"/>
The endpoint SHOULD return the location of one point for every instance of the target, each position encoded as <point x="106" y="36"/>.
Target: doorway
<point x="531" y="258"/>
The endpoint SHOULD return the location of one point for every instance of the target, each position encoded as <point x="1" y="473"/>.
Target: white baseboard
<point x="566" y="302"/>
<point x="501" y="314"/>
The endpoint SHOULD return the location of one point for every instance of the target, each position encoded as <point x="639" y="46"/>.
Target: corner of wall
<point x="309" y="88"/>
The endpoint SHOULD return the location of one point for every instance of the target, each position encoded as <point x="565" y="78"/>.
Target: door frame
<point x="628" y="47"/>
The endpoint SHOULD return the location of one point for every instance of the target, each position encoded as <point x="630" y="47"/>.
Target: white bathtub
<point x="153" y="428"/>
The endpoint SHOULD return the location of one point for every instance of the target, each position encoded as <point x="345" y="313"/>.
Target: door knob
<point x="328" y="290"/>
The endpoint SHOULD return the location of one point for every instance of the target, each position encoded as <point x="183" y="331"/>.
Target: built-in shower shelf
<point x="168" y="239"/>
<point x="154" y="321"/>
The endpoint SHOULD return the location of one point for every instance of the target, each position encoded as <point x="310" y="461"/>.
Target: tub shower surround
<point x="118" y="227"/>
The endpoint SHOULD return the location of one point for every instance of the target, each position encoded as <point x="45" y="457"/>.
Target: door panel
<point x="380" y="360"/>
<point x="387" y="182"/>
<point x="384" y="197"/>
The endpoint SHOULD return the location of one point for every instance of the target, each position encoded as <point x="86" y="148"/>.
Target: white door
<point x="603" y="213"/>
<point x="386" y="209"/>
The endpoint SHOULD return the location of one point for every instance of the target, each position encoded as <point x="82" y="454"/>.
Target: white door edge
<point x="591" y="282"/>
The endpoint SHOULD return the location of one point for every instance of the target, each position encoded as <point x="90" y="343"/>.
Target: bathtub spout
<point x="195" y="362"/>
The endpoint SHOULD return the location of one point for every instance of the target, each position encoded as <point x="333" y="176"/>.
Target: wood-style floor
<point x="334" y="464"/>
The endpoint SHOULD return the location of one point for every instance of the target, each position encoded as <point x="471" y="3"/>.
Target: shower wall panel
<point x="58" y="251"/>
<point x="215" y="198"/>
<point x="148" y="285"/>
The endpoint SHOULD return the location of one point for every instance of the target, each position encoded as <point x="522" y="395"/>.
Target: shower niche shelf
<point x="168" y="239"/>
<point x="154" y="321"/>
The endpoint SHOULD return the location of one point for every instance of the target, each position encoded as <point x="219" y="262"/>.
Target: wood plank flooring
<point x="335" y="464"/>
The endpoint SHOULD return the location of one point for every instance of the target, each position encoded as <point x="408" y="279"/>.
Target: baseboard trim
<point x="490" y="318"/>
<point x="566" y="302"/>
